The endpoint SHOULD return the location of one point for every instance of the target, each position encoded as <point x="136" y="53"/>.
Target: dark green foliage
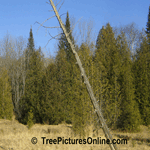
<point x="114" y="81"/>
<point x="130" y="116"/>
<point x="63" y="78"/>
<point x="6" y="107"/>
<point x="65" y="63"/>
<point x="33" y="74"/>
<point x="30" y="119"/>
<point x="82" y="107"/>
<point x="129" y="119"/>
<point x="51" y="102"/>
<point x="107" y="63"/>
<point x="41" y="54"/>
<point x="32" y="96"/>
<point x="142" y="82"/>
<point x="30" y="44"/>
<point x="30" y="49"/>
<point x="148" y="27"/>
<point x="63" y="43"/>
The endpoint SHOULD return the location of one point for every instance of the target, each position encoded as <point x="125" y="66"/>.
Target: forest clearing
<point x="90" y="94"/>
<point x="16" y="136"/>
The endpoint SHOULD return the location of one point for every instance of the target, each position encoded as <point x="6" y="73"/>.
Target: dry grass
<point x="15" y="136"/>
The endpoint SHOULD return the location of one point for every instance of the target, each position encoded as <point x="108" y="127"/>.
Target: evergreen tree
<point x="107" y="63"/>
<point x="30" y="119"/>
<point x="52" y="112"/>
<point x="82" y="107"/>
<point x="148" y="27"/>
<point x="63" y="78"/>
<point x="6" y="106"/>
<point x="66" y="74"/>
<point x="41" y="54"/>
<point x="142" y="82"/>
<point x="30" y="49"/>
<point x="63" y="43"/>
<point x="32" y="97"/>
<point x="129" y="118"/>
<point x="26" y="67"/>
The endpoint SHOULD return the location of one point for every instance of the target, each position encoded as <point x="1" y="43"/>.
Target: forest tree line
<point x="54" y="92"/>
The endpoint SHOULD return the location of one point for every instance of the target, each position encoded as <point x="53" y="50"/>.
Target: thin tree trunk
<point x="90" y="91"/>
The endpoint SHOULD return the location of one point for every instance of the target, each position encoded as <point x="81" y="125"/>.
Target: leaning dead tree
<point x="86" y="81"/>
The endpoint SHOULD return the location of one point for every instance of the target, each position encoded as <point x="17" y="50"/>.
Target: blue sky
<point x="17" y="16"/>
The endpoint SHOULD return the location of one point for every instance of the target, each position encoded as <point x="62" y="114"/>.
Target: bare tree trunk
<point x="90" y="91"/>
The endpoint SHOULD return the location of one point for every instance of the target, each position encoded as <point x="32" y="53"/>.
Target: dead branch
<point x="41" y="24"/>
<point x="60" y="6"/>
<point x="86" y="81"/>
<point x="74" y="26"/>
<point x="53" y="37"/>
<point x="58" y="3"/>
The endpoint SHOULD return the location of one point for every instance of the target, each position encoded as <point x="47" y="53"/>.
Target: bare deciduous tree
<point x="133" y="35"/>
<point x="12" y="58"/>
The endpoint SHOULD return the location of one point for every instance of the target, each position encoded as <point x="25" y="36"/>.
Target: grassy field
<point x="16" y="136"/>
